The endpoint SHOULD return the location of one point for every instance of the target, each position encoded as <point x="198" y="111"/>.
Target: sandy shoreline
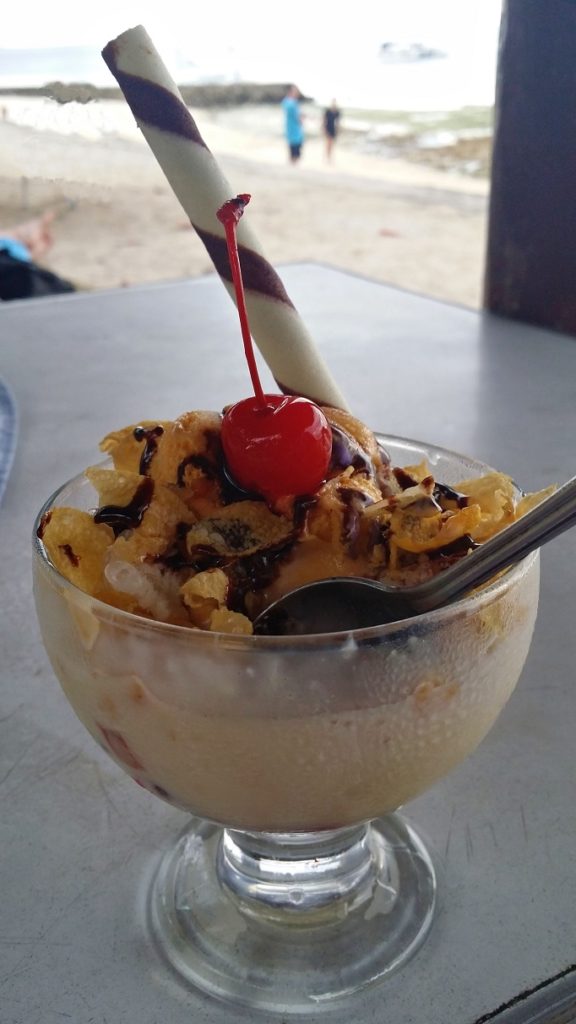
<point x="404" y="223"/>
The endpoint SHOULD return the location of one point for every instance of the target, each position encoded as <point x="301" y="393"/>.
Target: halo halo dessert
<point x="149" y="571"/>
<point x="290" y="733"/>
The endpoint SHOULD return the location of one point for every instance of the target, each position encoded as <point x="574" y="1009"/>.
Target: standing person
<point x="293" y="126"/>
<point x="331" y="125"/>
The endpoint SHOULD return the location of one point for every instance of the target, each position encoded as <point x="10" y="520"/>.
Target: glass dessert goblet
<point x="295" y="884"/>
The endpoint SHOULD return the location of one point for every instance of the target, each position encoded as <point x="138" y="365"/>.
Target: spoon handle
<point x="543" y="522"/>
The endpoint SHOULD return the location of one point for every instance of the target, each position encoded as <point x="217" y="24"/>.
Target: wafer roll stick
<point x="201" y="188"/>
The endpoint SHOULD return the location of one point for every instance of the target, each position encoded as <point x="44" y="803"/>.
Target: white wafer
<point x="201" y="188"/>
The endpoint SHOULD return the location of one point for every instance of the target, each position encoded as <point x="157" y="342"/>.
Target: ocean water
<point x="461" y="77"/>
<point x="36" y="67"/>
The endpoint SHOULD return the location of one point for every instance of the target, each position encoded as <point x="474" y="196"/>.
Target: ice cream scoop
<point x="344" y="603"/>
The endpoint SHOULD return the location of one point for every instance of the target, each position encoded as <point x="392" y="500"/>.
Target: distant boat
<point x="407" y="53"/>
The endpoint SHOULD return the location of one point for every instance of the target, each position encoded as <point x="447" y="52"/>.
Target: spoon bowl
<point x="344" y="603"/>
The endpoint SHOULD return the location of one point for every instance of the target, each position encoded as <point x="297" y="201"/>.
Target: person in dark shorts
<point x="331" y="126"/>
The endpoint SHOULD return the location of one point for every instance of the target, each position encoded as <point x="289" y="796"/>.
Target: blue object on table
<point x="16" y="249"/>
<point x="8" y="431"/>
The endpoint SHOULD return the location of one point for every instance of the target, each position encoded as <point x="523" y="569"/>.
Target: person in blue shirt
<point x="293" y="126"/>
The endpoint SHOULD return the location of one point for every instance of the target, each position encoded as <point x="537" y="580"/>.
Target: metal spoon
<point x="350" y="602"/>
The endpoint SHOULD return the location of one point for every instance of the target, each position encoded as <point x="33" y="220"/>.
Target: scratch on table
<point x="65" y="910"/>
<point x="469" y="843"/>
<point x="49" y="927"/>
<point x="29" y="959"/>
<point x="110" y="804"/>
<point x="42" y="1019"/>
<point x="23" y="754"/>
<point x="12" y="943"/>
<point x="523" y="820"/>
<point x="48" y="769"/>
<point x="449" y="836"/>
<point x="78" y="993"/>
<point x="6" y="718"/>
<point x="492" y="831"/>
<point x="56" y="766"/>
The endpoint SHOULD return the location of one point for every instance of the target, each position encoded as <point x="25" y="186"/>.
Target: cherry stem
<point x="229" y="214"/>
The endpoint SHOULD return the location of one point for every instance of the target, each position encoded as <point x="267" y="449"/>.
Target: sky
<point x="257" y="40"/>
<point x="251" y="24"/>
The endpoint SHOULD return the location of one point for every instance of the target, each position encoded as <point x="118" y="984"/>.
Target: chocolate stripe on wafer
<point x="153" y="103"/>
<point x="202" y="188"/>
<point x="156" y="106"/>
<point x="300" y="394"/>
<point x="257" y="274"/>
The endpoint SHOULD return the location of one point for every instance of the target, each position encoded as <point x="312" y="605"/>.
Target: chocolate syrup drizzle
<point x="47" y="516"/>
<point x="449" y="494"/>
<point x="441" y="493"/>
<point x="201" y="462"/>
<point x="150" y="435"/>
<point x="126" y="517"/>
<point x="302" y="506"/>
<point x="353" y="501"/>
<point x="176" y="555"/>
<point x="254" y="572"/>
<point x="347" y="452"/>
<point x="404" y="479"/>
<point x="246" y="573"/>
<point x="213" y="467"/>
<point x="457" y="548"/>
<point x="70" y="554"/>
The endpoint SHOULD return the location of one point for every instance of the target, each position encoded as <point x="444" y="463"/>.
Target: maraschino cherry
<point x="275" y="445"/>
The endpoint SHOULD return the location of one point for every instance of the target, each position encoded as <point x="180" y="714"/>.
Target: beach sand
<point x="403" y="223"/>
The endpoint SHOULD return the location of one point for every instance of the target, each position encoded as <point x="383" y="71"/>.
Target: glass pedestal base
<point x="291" y="923"/>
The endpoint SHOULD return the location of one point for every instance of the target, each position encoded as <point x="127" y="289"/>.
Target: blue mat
<point x="8" y="431"/>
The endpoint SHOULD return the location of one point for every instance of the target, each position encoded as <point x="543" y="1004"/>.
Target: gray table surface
<point x="78" y="839"/>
